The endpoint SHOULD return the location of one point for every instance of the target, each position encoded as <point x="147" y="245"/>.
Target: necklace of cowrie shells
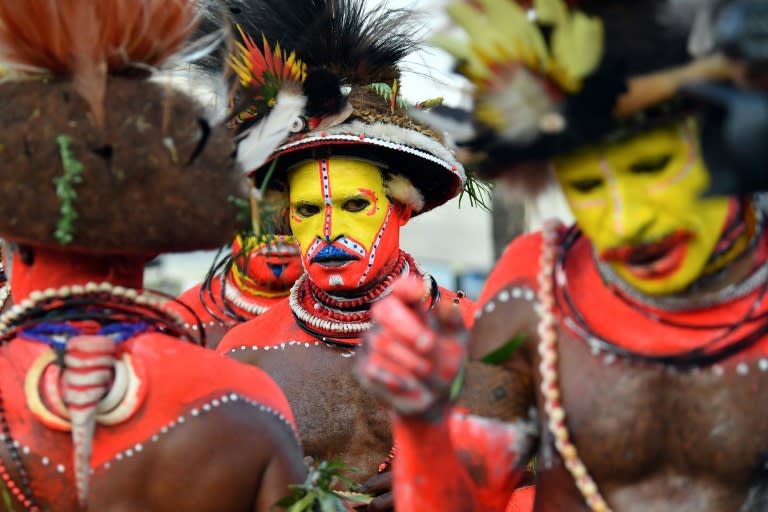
<point x="550" y="386"/>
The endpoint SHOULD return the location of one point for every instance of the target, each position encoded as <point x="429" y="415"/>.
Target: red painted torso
<point x="337" y="419"/>
<point x="188" y="389"/>
<point x="653" y="436"/>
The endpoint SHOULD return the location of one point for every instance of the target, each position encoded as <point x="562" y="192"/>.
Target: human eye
<point x="356" y="204"/>
<point x="650" y="165"/>
<point x="306" y="209"/>
<point x="585" y="185"/>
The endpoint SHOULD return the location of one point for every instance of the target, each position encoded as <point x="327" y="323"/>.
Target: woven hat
<point x="346" y="60"/>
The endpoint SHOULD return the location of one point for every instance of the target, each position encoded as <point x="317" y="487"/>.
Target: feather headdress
<point x="272" y="85"/>
<point x="86" y="41"/>
<point x="351" y="55"/>
<point x="552" y="78"/>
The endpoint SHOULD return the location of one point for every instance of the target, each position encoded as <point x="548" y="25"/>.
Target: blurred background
<point x="457" y="243"/>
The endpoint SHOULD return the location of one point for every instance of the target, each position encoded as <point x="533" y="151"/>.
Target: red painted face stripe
<point x="325" y="187"/>
<point x="370" y="194"/>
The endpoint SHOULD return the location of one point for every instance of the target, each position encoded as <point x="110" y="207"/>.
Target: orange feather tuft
<point x="85" y="39"/>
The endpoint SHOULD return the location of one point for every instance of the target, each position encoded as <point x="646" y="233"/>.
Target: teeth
<point x="279" y="248"/>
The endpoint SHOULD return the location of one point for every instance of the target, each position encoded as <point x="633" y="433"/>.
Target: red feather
<point x="86" y="39"/>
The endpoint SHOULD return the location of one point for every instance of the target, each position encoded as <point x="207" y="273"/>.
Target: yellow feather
<point x="471" y="65"/>
<point x="241" y="66"/>
<point x="511" y="21"/>
<point x="552" y="12"/>
<point x="489" y="116"/>
<point x="477" y="27"/>
<point x="577" y="46"/>
<point x="501" y="36"/>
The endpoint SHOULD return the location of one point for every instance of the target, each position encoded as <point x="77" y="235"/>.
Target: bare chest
<point x="337" y="419"/>
<point x="645" y="416"/>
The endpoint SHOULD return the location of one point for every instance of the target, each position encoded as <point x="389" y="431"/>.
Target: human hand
<point x="411" y="358"/>
<point x="380" y="487"/>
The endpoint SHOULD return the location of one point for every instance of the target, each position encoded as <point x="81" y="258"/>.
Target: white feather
<point x="458" y="130"/>
<point x="401" y="189"/>
<point x="697" y="17"/>
<point x="264" y="137"/>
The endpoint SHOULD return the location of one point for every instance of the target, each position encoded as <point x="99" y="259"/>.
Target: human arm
<point x="283" y="465"/>
<point x="445" y="460"/>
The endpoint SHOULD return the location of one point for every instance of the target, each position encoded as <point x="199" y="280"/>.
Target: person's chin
<point x="334" y="278"/>
<point x="673" y="283"/>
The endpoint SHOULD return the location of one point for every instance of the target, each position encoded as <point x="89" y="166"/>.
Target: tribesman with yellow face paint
<point x="357" y="169"/>
<point x="639" y="350"/>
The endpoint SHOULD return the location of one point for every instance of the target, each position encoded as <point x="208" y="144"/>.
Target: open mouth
<point x="278" y="249"/>
<point x="653" y="260"/>
<point x="334" y="257"/>
<point x="334" y="262"/>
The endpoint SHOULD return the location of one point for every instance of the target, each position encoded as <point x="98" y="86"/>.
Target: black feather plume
<point x="357" y="44"/>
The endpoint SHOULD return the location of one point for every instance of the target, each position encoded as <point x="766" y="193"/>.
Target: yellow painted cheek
<point x="350" y="178"/>
<point x="306" y="230"/>
<point x="304" y="186"/>
<point x="630" y="208"/>
<point x="344" y="179"/>
<point x="593" y="214"/>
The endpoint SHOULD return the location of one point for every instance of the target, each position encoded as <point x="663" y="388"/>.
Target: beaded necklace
<point x="550" y="387"/>
<point x="551" y="277"/>
<point x="5" y="293"/>
<point x="717" y="348"/>
<point x="220" y="306"/>
<point x="233" y="294"/>
<point x="335" y="318"/>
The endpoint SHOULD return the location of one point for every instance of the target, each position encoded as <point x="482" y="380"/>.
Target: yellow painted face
<point x="346" y="226"/>
<point x="639" y="203"/>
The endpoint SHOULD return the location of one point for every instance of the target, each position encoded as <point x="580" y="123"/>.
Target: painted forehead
<point x="667" y="139"/>
<point x="331" y="177"/>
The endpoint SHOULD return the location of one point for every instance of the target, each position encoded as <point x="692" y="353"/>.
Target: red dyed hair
<point x="86" y="39"/>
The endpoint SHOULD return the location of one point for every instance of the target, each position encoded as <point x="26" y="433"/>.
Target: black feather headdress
<point x="356" y="44"/>
<point x="351" y="55"/>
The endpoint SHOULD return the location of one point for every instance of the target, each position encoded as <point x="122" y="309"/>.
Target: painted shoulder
<point x="191" y="298"/>
<point x="519" y="263"/>
<point x="196" y="372"/>
<point x="273" y="327"/>
<point x="171" y="383"/>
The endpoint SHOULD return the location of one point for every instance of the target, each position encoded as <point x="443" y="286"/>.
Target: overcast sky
<point x="431" y="62"/>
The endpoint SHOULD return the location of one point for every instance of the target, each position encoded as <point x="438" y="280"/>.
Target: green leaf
<point x="458" y="382"/>
<point x="65" y="191"/>
<point x="7" y="500"/>
<point x="386" y="92"/>
<point x="317" y="490"/>
<point x="478" y="192"/>
<point x="354" y="497"/>
<point x="501" y="354"/>
<point x="243" y="207"/>
<point x="303" y="504"/>
<point x="330" y="503"/>
<point x="268" y="176"/>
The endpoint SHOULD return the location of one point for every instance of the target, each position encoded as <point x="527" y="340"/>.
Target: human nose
<point x="633" y="213"/>
<point x="337" y="224"/>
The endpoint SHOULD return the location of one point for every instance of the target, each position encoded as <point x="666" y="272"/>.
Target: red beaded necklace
<point x="357" y="309"/>
<point x="22" y="493"/>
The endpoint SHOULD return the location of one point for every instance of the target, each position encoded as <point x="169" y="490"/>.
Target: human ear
<point x="404" y="213"/>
